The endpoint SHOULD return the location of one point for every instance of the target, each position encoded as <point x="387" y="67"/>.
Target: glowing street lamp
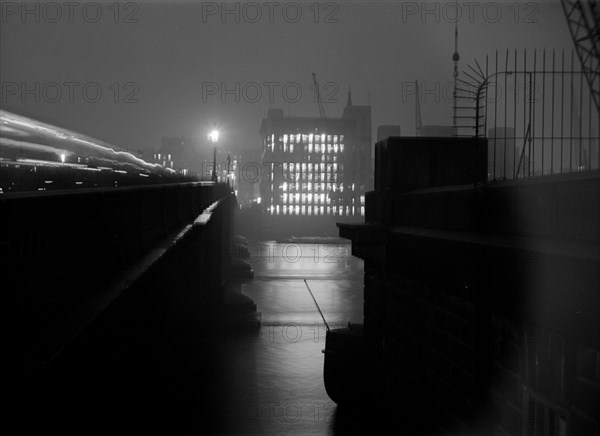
<point x="213" y="137"/>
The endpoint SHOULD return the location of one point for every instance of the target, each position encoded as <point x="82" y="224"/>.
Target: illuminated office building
<point x="316" y="166"/>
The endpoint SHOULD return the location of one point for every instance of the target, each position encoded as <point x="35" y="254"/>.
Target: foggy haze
<point x="164" y="68"/>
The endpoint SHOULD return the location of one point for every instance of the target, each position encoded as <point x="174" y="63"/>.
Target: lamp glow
<point x="213" y="136"/>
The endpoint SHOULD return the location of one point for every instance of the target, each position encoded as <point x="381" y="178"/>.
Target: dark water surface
<point x="158" y="365"/>
<point x="284" y="392"/>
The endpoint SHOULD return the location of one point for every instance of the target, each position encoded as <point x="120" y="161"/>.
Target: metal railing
<point x="537" y="113"/>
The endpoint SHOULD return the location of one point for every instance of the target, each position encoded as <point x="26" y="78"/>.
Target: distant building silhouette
<point x="385" y="131"/>
<point x="247" y="175"/>
<point x="437" y="131"/>
<point x="179" y="152"/>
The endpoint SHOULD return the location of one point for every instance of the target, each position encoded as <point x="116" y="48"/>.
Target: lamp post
<point x="213" y="137"/>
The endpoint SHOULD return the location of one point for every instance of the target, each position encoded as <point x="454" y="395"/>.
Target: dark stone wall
<point x="488" y="295"/>
<point x="68" y="255"/>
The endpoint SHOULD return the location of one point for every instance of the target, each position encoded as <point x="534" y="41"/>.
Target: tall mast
<point x="455" y="58"/>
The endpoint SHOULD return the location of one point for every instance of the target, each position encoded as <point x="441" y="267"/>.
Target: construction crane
<point x="583" y="19"/>
<point x="418" y="124"/>
<point x="318" y="96"/>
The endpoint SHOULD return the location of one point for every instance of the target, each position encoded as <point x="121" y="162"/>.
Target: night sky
<point x="160" y="56"/>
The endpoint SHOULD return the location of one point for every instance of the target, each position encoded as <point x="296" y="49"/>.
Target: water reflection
<point x="278" y="383"/>
<point x="187" y="375"/>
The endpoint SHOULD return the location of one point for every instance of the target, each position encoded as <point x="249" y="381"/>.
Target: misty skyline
<point x="177" y="62"/>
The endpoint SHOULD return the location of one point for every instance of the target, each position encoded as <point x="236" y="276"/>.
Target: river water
<point x="279" y="372"/>
<point x="184" y="376"/>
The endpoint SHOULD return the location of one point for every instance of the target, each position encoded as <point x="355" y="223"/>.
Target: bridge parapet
<point x="68" y="255"/>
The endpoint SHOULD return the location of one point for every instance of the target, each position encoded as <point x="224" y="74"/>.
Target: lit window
<point x="322" y="210"/>
<point x="297" y="210"/>
<point x="303" y="210"/>
<point x="362" y="211"/>
<point x="323" y="137"/>
<point x="285" y="197"/>
<point x="277" y="209"/>
<point x="284" y="186"/>
<point x="362" y="199"/>
<point x="291" y="148"/>
<point x="341" y="148"/>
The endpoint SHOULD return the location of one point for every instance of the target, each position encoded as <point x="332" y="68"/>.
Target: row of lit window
<point x="291" y="167"/>
<point x="310" y="138"/>
<point x="322" y="158"/>
<point x="317" y="177"/>
<point x="318" y="148"/>
<point x="304" y="177"/>
<point x="313" y="186"/>
<point x="304" y="198"/>
<point x="317" y="210"/>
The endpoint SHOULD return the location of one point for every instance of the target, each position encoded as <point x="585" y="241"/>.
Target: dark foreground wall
<point x="67" y="256"/>
<point x="489" y="295"/>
